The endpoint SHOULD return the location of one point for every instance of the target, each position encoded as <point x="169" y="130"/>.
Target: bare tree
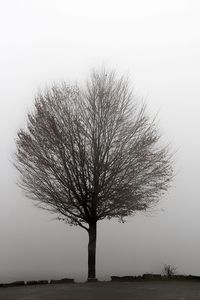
<point x="169" y="270"/>
<point x="92" y="153"/>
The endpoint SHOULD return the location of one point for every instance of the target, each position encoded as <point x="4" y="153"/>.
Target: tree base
<point x="92" y="280"/>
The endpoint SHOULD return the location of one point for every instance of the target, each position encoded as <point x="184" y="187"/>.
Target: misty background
<point x="157" y="44"/>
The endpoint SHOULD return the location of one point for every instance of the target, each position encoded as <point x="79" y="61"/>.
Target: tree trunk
<point x="92" y="251"/>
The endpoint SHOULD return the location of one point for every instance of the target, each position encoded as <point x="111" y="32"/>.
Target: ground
<point x="143" y="290"/>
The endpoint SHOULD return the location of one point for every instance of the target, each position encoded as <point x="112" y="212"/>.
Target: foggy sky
<point x="157" y="43"/>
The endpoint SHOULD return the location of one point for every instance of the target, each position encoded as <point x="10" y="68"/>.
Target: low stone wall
<point x="64" y="280"/>
<point x="36" y="282"/>
<point x="15" y="283"/>
<point x="128" y="278"/>
<point x="125" y="278"/>
<point x="148" y="276"/>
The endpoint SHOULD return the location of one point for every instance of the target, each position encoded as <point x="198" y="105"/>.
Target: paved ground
<point x="156" y="290"/>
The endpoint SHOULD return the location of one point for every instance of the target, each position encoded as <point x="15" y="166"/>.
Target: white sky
<point x="157" y="43"/>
